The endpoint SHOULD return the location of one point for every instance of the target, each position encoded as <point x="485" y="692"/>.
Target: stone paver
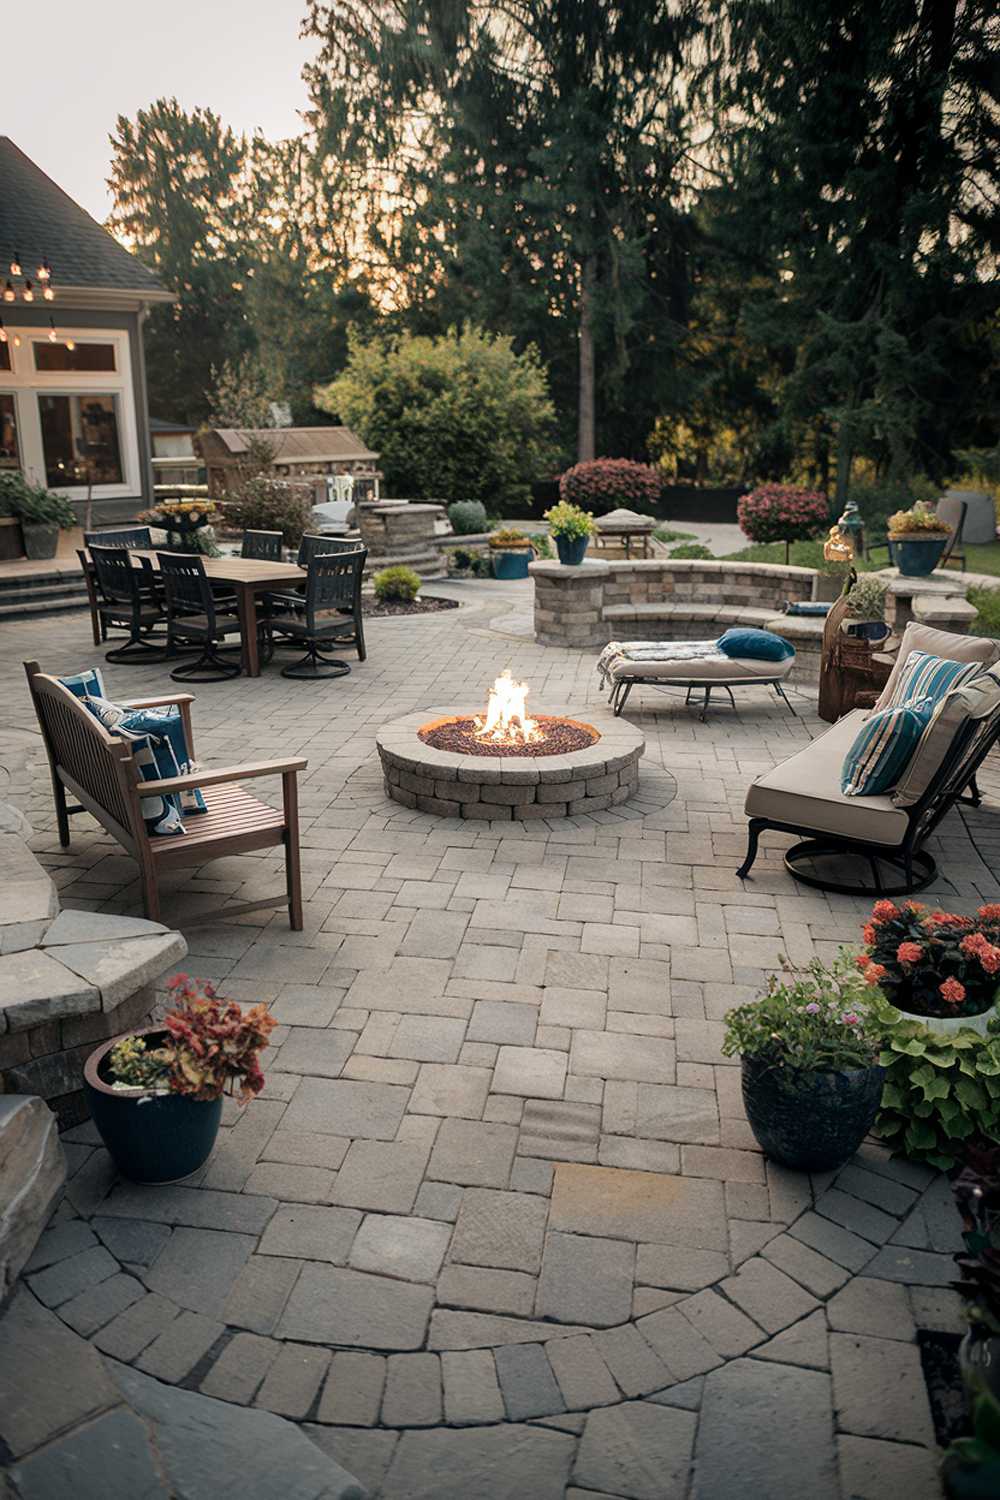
<point x="499" y="1153"/>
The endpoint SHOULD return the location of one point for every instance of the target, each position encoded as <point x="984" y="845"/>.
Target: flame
<point x="506" y="720"/>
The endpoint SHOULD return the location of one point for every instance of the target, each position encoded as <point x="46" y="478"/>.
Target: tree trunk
<point x="585" y="417"/>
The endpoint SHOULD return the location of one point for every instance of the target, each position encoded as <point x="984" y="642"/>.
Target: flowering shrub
<point x="211" y="1045"/>
<point x="181" y="515"/>
<point x="933" y="963"/>
<point x="819" y="1020"/>
<point x="604" y="484"/>
<point x="783" y="513"/>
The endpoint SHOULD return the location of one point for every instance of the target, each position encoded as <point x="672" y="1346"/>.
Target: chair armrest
<point x="177" y="698"/>
<point x="214" y="778"/>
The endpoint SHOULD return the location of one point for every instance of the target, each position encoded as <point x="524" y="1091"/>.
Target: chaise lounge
<point x="887" y="831"/>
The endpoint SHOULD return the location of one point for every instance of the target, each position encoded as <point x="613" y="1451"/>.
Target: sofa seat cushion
<point x="804" y="790"/>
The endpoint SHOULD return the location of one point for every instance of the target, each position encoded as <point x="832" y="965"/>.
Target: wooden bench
<point x="98" y="768"/>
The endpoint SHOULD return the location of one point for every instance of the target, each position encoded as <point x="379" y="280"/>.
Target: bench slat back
<point x="84" y="750"/>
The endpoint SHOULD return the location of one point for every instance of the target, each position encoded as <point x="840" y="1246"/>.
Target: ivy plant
<point x="940" y="1090"/>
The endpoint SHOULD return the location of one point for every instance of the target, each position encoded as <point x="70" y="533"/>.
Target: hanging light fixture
<point x="71" y="344"/>
<point x="48" y="293"/>
<point x="9" y="293"/>
<point x="44" y="271"/>
<point x="52" y="332"/>
<point x="15" y="265"/>
<point x="29" y="292"/>
<point x="3" y="333"/>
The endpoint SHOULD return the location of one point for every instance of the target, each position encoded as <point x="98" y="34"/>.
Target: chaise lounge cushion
<point x="689" y="661"/>
<point x="804" y="791"/>
<point x="938" y="643"/>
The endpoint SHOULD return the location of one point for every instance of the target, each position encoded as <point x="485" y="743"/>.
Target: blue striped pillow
<point x="884" y="748"/>
<point x="927" y="676"/>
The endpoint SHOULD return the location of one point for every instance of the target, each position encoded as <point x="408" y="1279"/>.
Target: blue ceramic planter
<point x="150" y="1137"/>
<point x="917" y="557"/>
<point x="571" y="550"/>
<point x="811" y="1122"/>
<point x="514" y="564"/>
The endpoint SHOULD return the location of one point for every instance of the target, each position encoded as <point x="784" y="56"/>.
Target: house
<point x="297" y="453"/>
<point x="73" y="408"/>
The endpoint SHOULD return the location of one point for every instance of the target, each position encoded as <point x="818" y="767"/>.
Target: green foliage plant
<point x="866" y="599"/>
<point x="941" y="1090"/>
<point x="458" y="416"/>
<point x="818" y="1019"/>
<point x="919" y="520"/>
<point x="568" y="520"/>
<point x="264" y="502"/>
<point x="691" y="550"/>
<point x="467" y="517"/>
<point x="396" y="585"/>
<point x="542" y="544"/>
<point x="668" y="534"/>
<point x="509" y="539"/>
<point x="33" y="504"/>
<point x="462" y="559"/>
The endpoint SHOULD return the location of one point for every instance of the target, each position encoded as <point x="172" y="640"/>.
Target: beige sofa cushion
<point x="975" y="700"/>
<point x="938" y="643"/>
<point x="805" y="790"/>
<point x="732" y="669"/>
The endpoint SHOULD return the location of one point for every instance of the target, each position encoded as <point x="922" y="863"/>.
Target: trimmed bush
<point x="468" y="517"/>
<point x="783" y="513"/>
<point x="396" y="585"/>
<point x="264" y="503"/>
<point x="605" y="484"/>
<point x="691" y="549"/>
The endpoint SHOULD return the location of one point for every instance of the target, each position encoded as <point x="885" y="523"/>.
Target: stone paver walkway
<point x="497" y="1227"/>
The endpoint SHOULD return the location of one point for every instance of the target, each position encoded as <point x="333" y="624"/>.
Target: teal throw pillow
<point x="883" y="748"/>
<point x="754" y="645"/>
<point x="88" y="684"/>
<point x="926" y="676"/>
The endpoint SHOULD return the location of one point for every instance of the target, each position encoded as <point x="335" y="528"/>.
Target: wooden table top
<point x="238" y="570"/>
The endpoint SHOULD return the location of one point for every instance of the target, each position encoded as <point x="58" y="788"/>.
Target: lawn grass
<point x="668" y="534"/>
<point x="984" y="558"/>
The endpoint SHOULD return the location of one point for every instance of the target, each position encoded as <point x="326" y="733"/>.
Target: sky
<point x="81" y="65"/>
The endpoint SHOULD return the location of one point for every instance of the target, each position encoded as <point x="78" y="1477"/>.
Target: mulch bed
<point x="427" y="604"/>
<point x="459" y="736"/>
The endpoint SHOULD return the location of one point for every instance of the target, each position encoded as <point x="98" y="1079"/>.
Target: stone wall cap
<point x="589" y="569"/>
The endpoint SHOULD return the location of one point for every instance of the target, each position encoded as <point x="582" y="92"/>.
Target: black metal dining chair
<point x="194" y="620"/>
<point x="263" y="546"/>
<point x="330" y="615"/>
<point x="310" y="546"/>
<point x="126" y="599"/>
<point x="132" y="538"/>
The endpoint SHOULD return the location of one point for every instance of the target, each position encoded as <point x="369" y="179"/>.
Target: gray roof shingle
<point x="37" y="219"/>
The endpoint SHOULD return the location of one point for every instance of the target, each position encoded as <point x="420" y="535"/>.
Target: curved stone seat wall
<point x="678" y="599"/>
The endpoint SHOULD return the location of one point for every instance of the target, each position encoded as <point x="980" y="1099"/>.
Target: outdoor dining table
<point x="244" y="575"/>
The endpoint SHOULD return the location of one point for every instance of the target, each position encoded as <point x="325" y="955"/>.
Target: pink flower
<point x="850" y="1019"/>
<point x="909" y="953"/>
<point x="953" y="992"/>
<point x="812" y="1009"/>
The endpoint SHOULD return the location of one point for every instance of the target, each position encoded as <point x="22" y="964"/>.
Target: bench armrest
<point x="214" y="778"/>
<point x="177" y="698"/>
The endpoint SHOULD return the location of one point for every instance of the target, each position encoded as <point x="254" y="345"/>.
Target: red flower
<point x="862" y="961"/>
<point x="884" y="911"/>
<point x="990" y="912"/>
<point x="989" y="957"/>
<point x="870" y="934"/>
<point x="875" y="973"/>
<point x="909" y="953"/>
<point x="952" y="991"/>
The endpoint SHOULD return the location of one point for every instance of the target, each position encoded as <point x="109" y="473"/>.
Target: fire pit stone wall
<point x="594" y="779"/>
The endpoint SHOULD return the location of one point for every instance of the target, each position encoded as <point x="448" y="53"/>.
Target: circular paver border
<point x="594" y="779"/>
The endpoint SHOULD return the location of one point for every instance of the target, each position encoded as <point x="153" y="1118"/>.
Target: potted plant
<point x="917" y="538"/>
<point x="183" y="521"/>
<point x="511" y="551"/>
<point x="156" y="1094"/>
<point x="572" y="529"/>
<point x="972" y="1464"/>
<point x="866" y="607"/>
<point x="811" y="1076"/>
<point x="41" y="513"/>
<point x="935" y="967"/>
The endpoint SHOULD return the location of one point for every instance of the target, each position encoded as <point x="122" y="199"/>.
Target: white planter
<point x="949" y="1025"/>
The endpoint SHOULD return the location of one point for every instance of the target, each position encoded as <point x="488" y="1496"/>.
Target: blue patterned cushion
<point x="754" y="645"/>
<point x="159" y="749"/>
<point x="884" y="748"/>
<point x="926" y="676"/>
<point x="88" y="684"/>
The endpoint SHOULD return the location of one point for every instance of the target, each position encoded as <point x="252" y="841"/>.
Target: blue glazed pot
<point x="811" y="1122"/>
<point x="514" y="564"/>
<point x="571" y="550"/>
<point x="150" y="1137"/>
<point x="917" y="557"/>
<point x="869" y="630"/>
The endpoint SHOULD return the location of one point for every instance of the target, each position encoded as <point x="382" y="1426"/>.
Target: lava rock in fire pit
<point x="555" y="736"/>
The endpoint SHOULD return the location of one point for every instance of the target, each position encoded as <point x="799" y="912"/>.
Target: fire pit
<point x="504" y="764"/>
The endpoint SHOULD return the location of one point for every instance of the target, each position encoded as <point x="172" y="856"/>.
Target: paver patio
<point x="497" y="1227"/>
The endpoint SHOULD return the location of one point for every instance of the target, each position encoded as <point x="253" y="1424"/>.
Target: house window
<point x="5" y="355"/>
<point x="81" y="357"/>
<point x="9" y="458"/>
<point x="80" y="439"/>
